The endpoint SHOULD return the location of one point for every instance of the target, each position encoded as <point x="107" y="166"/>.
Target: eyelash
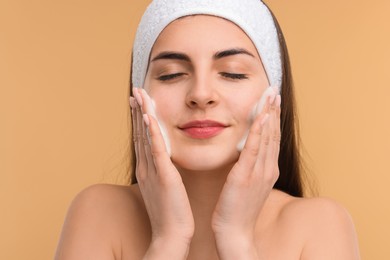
<point x="233" y="76"/>
<point x="170" y="76"/>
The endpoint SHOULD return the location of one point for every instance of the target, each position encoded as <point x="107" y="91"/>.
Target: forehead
<point x="202" y="32"/>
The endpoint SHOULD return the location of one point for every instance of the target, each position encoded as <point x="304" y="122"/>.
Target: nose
<point x="202" y="94"/>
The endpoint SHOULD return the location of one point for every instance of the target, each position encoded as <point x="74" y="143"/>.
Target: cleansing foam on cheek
<point x="151" y="109"/>
<point x="257" y="108"/>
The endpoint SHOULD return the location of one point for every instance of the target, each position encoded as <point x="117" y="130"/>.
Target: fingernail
<point x="146" y="119"/>
<point x="145" y="96"/>
<point x="137" y="96"/>
<point x="278" y="101"/>
<point x="264" y="119"/>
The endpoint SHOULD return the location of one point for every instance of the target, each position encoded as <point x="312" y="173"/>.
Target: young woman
<point x="217" y="167"/>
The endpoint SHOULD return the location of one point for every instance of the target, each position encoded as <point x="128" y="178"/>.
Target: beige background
<point x="64" y="70"/>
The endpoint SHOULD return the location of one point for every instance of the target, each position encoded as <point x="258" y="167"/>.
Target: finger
<point x="158" y="148"/>
<point x="267" y="95"/>
<point x="146" y="142"/>
<point x="142" y="163"/>
<point x="148" y="106"/>
<point x="250" y="152"/>
<point x="278" y="136"/>
<point x="133" y="104"/>
<point x="137" y="96"/>
<point x="150" y="109"/>
<point x="268" y="146"/>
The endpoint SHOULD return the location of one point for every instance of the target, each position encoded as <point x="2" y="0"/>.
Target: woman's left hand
<point x="248" y="186"/>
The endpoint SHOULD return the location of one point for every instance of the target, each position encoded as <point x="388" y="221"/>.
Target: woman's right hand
<point x="161" y="186"/>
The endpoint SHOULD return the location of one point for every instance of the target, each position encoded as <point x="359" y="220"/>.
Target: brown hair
<point x="290" y="161"/>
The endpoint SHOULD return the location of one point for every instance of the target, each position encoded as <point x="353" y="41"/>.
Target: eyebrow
<point x="231" y="52"/>
<point x="169" y="55"/>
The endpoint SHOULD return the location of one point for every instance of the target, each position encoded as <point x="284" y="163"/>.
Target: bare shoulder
<point x="105" y="196"/>
<point x="98" y="220"/>
<point x="325" y="226"/>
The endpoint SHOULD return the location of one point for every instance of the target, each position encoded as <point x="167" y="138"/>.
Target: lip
<point x="202" y="129"/>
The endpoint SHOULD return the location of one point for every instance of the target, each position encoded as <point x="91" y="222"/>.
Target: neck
<point x="203" y="190"/>
<point x="204" y="187"/>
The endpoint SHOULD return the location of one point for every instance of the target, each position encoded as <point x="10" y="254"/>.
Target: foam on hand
<point x="257" y="109"/>
<point x="151" y="108"/>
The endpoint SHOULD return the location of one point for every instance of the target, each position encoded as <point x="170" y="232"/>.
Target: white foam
<point x="257" y="109"/>
<point x="151" y="108"/>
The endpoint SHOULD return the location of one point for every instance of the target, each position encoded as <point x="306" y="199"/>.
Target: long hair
<point x="290" y="159"/>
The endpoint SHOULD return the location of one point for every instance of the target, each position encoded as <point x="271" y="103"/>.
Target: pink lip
<point x="202" y="129"/>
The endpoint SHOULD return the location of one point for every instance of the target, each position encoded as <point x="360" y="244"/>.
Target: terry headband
<point x="252" y="16"/>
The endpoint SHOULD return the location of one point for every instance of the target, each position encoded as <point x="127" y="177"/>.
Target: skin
<point x="223" y="207"/>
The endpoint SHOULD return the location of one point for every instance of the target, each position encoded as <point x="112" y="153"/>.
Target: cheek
<point x="165" y="105"/>
<point x="244" y="106"/>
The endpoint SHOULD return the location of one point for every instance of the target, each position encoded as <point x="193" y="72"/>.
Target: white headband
<point x="252" y="16"/>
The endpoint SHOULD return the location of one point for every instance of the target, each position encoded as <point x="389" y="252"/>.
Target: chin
<point x="202" y="160"/>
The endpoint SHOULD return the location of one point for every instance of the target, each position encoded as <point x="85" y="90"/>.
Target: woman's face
<point x="205" y="78"/>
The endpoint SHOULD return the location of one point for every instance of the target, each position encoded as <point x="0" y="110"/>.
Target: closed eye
<point x="233" y="75"/>
<point x="223" y="74"/>
<point x="170" y="76"/>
